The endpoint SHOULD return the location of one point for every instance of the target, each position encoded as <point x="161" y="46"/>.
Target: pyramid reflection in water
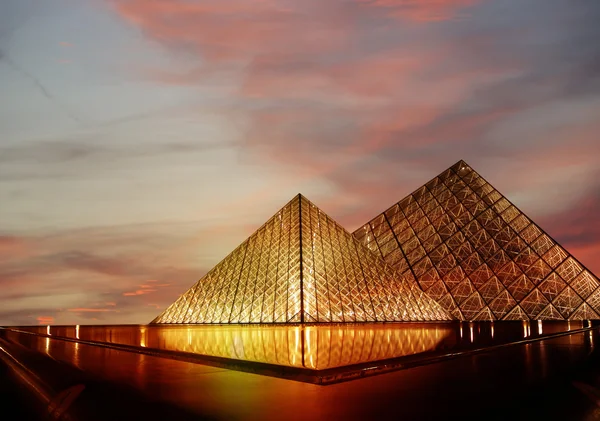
<point x="478" y="255"/>
<point x="301" y="266"/>
<point x="316" y="347"/>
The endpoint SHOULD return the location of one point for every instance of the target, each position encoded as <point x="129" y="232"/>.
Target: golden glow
<point x="492" y="330"/>
<point x="77" y="331"/>
<point x="302" y="266"/>
<point x="316" y="347"/>
<point x="48" y="330"/>
<point x="479" y="256"/>
<point x="471" y="330"/>
<point x="540" y="327"/>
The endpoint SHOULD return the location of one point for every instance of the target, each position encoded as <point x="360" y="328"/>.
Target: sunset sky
<point x="142" y="140"/>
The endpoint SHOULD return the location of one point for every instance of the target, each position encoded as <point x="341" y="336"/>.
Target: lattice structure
<point x="301" y="266"/>
<point x="479" y="256"/>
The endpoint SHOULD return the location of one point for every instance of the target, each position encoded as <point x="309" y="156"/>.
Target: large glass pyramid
<point x="301" y="266"/>
<point x="478" y="255"/>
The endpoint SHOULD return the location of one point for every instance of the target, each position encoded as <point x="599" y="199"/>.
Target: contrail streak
<point x="38" y="85"/>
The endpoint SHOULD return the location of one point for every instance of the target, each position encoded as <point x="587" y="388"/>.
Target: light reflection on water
<point x="312" y="346"/>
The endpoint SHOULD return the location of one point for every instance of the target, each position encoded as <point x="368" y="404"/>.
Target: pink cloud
<point x="47" y="269"/>
<point x="230" y="30"/>
<point x="423" y="10"/>
<point x="65" y="44"/>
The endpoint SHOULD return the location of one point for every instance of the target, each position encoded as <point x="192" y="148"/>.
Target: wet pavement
<point x="526" y="381"/>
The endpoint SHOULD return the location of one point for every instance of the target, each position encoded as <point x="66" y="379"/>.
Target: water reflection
<point x="312" y="346"/>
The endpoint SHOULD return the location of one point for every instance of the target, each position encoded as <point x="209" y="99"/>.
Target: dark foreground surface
<point x="551" y="379"/>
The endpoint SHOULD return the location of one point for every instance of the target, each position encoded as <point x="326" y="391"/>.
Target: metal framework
<point x="478" y="255"/>
<point x="302" y="266"/>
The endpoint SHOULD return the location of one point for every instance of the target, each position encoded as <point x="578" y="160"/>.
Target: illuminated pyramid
<point x="301" y="266"/>
<point x="478" y="255"/>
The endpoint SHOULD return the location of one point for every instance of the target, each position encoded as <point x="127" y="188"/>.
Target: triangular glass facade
<point x="478" y="255"/>
<point x="301" y="266"/>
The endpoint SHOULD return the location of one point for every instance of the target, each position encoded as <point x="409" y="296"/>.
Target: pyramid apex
<point x="302" y="197"/>
<point x="279" y="267"/>
<point x="460" y="165"/>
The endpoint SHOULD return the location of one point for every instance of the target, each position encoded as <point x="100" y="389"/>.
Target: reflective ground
<point x="536" y="380"/>
<point x="316" y="347"/>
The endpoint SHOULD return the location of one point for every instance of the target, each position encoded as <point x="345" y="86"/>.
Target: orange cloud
<point x="45" y="320"/>
<point x="146" y="288"/>
<point x="139" y="292"/>
<point x="12" y="247"/>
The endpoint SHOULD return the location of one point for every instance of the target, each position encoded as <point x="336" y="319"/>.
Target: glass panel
<point x="585" y="284"/>
<point x="569" y="269"/>
<point x="555" y="256"/>
<point x="492" y="197"/>
<point x="542" y="244"/>
<point x="509" y="214"/>
<point x="432" y="242"/>
<point x="567" y="302"/>
<point x="520" y="287"/>
<point x="519" y="223"/>
<point x="501" y="205"/>
<point x="502" y="304"/>
<point x="531" y="233"/>
<point x="491" y="289"/>
<point x="533" y="304"/>
<point x="552" y="286"/>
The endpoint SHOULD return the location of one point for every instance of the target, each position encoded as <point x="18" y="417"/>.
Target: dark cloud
<point x="68" y="158"/>
<point x="64" y="151"/>
<point x="25" y="316"/>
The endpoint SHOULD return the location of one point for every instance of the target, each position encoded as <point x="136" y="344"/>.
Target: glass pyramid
<point x="478" y="255"/>
<point x="301" y="266"/>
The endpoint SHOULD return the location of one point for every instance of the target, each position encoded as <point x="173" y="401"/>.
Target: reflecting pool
<point x="315" y="347"/>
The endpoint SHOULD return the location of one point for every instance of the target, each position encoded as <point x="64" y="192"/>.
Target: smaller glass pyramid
<point x="301" y="266"/>
<point x="478" y="255"/>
